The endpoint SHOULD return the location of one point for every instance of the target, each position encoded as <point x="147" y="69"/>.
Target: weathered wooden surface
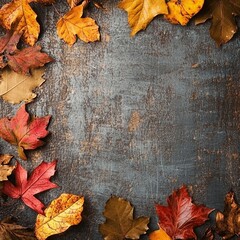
<point x="133" y="118"/>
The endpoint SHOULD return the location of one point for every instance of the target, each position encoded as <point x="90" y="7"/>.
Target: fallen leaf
<point x="209" y="235"/>
<point x="11" y="231"/>
<point x="23" y="60"/>
<point x="119" y="224"/>
<point x="142" y="12"/>
<point x="228" y="222"/>
<point x="25" y="188"/>
<point x="62" y="213"/>
<point x="159" y="235"/>
<point x="73" y="3"/>
<point x="5" y="169"/>
<point x="72" y="24"/>
<point x="179" y="218"/>
<point x="180" y="12"/>
<point x="24" y="132"/>
<point x="222" y="13"/>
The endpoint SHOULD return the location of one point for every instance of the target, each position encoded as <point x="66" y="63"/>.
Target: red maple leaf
<point x="36" y="183"/>
<point x="180" y="216"/>
<point x="20" y="61"/>
<point x="23" y="131"/>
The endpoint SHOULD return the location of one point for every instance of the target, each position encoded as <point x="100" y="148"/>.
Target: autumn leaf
<point x="25" y="188"/>
<point x="24" y="132"/>
<point x="119" y="224"/>
<point x="73" y="3"/>
<point x="180" y="12"/>
<point x="222" y="13"/>
<point x="142" y="12"/>
<point x="62" y="213"/>
<point x="159" y="235"/>
<point x="5" y="168"/>
<point x="11" y="231"/>
<point x="179" y="218"/>
<point x="72" y="24"/>
<point x="15" y="88"/>
<point x="20" y="61"/>
<point x="209" y="235"/>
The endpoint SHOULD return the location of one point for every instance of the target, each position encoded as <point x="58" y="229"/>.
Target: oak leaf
<point x="24" y="132"/>
<point x="23" y="60"/>
<point x="73" y="3"/>
<point x="62" y="213"/>
<point x="222" y="13"/>
<point x="72" y="24"/>
<point x="25" y="188"/>
<point x="119" y="222"/>
<point x="11" y="231"/>
<point x="179" y="218"/>
<point x="142" y="12"/>
<point x="5" y="168"/>
<point x="180" y="12"/>
<point x="159" y="235"/>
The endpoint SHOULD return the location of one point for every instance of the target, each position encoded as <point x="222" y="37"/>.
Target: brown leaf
<point x="222" y="13"/>
<point x="62" y="213"/>
<point x="119" y="224"/>
<point x="73" y="3"/>
<point x="15" y="88"/>
<point x="209" y="235"/>
<point x="5" y="169"/>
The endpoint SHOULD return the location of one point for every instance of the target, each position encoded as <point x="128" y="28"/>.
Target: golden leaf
<point x="180" y="12"/>
<point x="142" y="12"/>
<point x="159" y="235"/>
<point x="5" y="169"/>
<point x="62" y="213"/>
<point x="73" y="3"/>
<point x="72" y="24"/>
<point x="15" y="87"/>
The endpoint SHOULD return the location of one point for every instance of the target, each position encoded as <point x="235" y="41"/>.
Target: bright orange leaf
<point x="159" y="235"/>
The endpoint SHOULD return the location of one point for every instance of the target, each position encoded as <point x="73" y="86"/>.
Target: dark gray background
<point x="189" y="117"/>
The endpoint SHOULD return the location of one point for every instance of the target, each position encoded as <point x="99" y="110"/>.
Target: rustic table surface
<point x="135" y="117"/>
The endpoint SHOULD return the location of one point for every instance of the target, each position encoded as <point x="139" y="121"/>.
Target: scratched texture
<point x="135" y="117"/>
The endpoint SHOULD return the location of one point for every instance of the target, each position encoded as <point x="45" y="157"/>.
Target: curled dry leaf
<point x="180" y="12"/>
<point x="72" y="24"/>
<point x="15" y="88"/>
<point x="119" y="224"/>
<point x="62" y="213"/>
<point x="179" y="218"/>
<point x="142" y="12"/>
<point x="25" y="188"/>
<point x="159" y="235"/>
<point x="5" y="169"/>
<point x="24" y="132"/>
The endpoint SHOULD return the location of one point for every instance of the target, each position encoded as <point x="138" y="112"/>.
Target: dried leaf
<point x="23" y="131"/>
<point x="180" y="217"/>
<point x="62" y="213"/>
<point x="209" y="235"/>
<point x="228" y="222"/>
<point x="11" y="231"/>
<point x="5" y="169"/>
<point x="73" y="3"/>
<point x="72" y="24"/>
<point x="180" y="12"/>
<point x="15" y="88"/>
<point x="159" y="235"/>
<point x="119" y="223"/>
<point x="25" y="188"/>
<point x="222" y="13"/>
<point x="142" y="12"/>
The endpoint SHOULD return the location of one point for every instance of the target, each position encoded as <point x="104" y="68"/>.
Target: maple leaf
<point x="222" y="13"/>
<point x="20" y="61"/>
<point x="5" y="169"/>
<point x="72" y="24"/>
<point x="11" y="231"/>
<point x="180" y="216"/>
<point x="62" y="213"/>
<point x="73" y="3"/>
<point x="25" y="188"/>
<point x="142" y="12"/>
<point x="23" y="131"/>
<point x="159" y="235"/>
<point x="16" y="88"/>
<point x="119" y="222"/>
<point x="180" y="12"/>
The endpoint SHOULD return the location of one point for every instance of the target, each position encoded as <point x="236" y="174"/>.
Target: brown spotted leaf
<point x="5" y="168"/>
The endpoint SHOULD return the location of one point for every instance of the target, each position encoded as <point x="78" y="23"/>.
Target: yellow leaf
<point x="141" y="12"/>
<point x="181" y="11"/>
<point x="72" y="24"/>
<point x="159" y="235"/>
<point x="73" y="3"/>
<point x="15" y="87"/>
<point x="5" y="169"/>
<point x="62" y="213"/>
<point x="19" y="16"/>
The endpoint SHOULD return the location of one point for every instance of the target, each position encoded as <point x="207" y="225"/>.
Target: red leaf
<point x="36" y="183"/>
<point x="180" y="216"/>
<point x="23" y="131"/>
